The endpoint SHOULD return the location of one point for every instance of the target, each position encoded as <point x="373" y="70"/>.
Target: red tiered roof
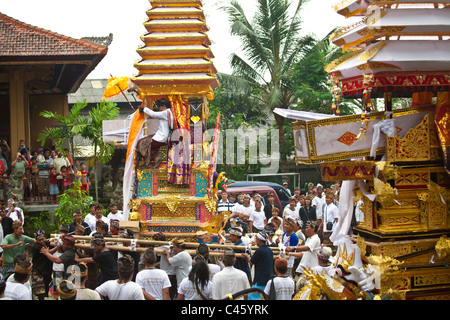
<point x="19" y="39"/>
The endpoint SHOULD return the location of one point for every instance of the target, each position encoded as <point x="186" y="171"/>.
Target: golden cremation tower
<point x="175" y="196"/>
<point x="396" y="160"/>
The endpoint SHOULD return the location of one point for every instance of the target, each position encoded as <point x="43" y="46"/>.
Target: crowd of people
<point x="41" y="268"/>
<point x="45" y="173"/>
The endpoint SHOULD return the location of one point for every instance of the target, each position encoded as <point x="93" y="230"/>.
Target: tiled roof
<point x="92" y="91"/>
<point x="18" y="39"/>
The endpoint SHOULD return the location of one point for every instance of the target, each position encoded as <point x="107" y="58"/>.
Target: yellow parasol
<point x="115" y="86"/>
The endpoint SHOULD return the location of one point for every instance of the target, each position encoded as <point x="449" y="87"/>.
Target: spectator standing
<point x="154" y="282"/>
<point x="45" y="163"/>
<point x="291" y="209"/>
<point x="224" y="204"/>
<point x="90" y="217"/>
<point x="257" y="218"/>
<point x="53" y="184"/>
<point x="270" y="204"/>
<point x="15" y="212"/>
<point x="78" y="221"/>
<point x="83" y="175"/>
<point x="114" y="214"/>
<point x="308" y="212"/>
<point x="330" y="217"/>
<point x="7" y="223"/>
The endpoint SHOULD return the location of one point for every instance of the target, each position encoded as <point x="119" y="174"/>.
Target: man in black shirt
<point x="262" y="259"/>
<point x="104" y="258"/>
<point x="6" y="223"/>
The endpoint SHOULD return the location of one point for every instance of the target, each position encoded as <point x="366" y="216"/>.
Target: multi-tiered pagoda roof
<point x="176" y="58"/>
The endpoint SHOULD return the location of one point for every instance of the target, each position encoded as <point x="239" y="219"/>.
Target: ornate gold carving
<point x="415" y="146"/>
<point x="385" y="193"/>
<point x="443" y="248"/>
<point x="372" y="51"/>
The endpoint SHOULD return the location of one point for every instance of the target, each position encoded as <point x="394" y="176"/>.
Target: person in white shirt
<point x="325" y="266"/>
<point x="99" y="217"/>
<point x="16" y="289"/>
<point x="283" y="284"/>
<point x="200" y="274"/>
<point x="309" y="251"/>
<point x="165" y="117"/>
<point x="14" y="212"/>
<point x="290" y="211"/>
<point x="318" y="201"/>
<point x="122" y="288"/>
<point x="90" y="217"/>
<point x="330" y="216"/>
<point x="203" y="252"/>
<point x="181" y="259"/>
<point x="359" y="214"/>
<point x="155" y="283"/>
<point x="164" y="264"/>
<point x="257" y="218"/>
<point x="230" y="280"/>
<point x="114" y="214"/>
<point x="244" y="210"/>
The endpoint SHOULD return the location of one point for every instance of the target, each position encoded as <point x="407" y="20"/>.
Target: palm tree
<point x="64" y="131"/>
<point x="271" y="45"/>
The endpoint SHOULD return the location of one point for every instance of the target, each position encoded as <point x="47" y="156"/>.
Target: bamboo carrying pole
<point x="162" y="243"/>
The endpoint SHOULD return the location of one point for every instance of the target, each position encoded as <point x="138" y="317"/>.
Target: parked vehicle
<point x="263" y="188"/>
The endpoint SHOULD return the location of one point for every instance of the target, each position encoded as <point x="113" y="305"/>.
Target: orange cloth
<point x="422" y="98"/>
<point x="136" y="125"/>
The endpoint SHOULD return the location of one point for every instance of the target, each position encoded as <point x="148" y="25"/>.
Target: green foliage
<point x="65" y="129"/>
<point x="71" y="200"/>
<point x="41" y="222"/>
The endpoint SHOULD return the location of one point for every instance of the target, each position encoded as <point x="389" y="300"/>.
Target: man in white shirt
<point x="330" y="216"/>
<point x="122" y="288"/>
<point x="90" y="217"/>
<point x="309" y="251"/>
<point x="181" y="259"/>
<point x="16" y="289"/>
<point x="114" y="214"/>
<point x="318" y="201"/>
<point x="155" y="283"/>
<point x="291" y="210"/>
<point x="243" y="211"/>
<point x="165" y="117"/>
<point x="230" y="280"/>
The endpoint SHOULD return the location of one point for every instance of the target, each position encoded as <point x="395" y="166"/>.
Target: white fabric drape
<point x="346" y="202"/>
<point x="129" y="176"/>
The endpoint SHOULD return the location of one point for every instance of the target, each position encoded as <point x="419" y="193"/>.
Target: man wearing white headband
<point x="262" y="259"/>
